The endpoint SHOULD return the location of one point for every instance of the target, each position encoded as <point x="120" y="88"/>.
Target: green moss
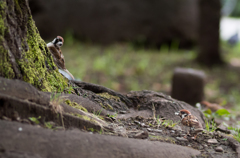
<point x="81" y="116"/>
<point x="75" y="105"/>
<point x="5" y="66"/>
<point x="109" y="107"/>
<point x="33" y="63"/>
<point x="162" y="139"/>
<point x="18" y="8"/>
<point x="2" y="19"/>
<point x="108" y="96"/>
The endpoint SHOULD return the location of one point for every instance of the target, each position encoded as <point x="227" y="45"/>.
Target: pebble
<point x="181" y="139"/>
<point x="137" y="122"/>
<point x="154" y="130"/>
<point x="143" y="125"/>
<point x="157" y="130"/>
<point x="183" y="135"/>
<point x="172" y="131"/>
<point x="122" y="112"/>
<point x="219" y="149"/>
<point x="212" y="141"/>
<point x="211" y="133"/>
<point x="223" y="128"/>
<point x="20" y="129"/>
<point x="205" y="146"/>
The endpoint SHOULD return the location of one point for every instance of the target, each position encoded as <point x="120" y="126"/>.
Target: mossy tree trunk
<point x="209" y="52"/>
<point x="23" y="53"/>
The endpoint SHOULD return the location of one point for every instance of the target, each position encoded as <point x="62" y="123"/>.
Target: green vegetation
<point x="158" y="121"/>
<point x="169" y="123"/>
<point x="162" y="139"/>
<point x="236" y="132"/>
<point x="48" y="125"/>
<point x="221" y="113"/>
<point x="55" y="101"/>
<point x="210" y="126"/>
<point x="108" y="96"/>
<point x="35" y="120"/>
<point x="112" y="116"/>
<point x="75" y="105"/>
<point x="97" y="113"/>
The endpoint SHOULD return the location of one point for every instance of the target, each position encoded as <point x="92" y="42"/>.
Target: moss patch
<point x="5" y="66"/>
<point x="162" y="139"/>
<point x="108" y="96"/>
<point x="75" y="105"/>
<point x="34" y="63"/>
<point x="81" y="116"/>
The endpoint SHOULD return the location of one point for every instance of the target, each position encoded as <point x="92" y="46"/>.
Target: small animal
<point x="57" y="54"/>
<point x="191" y="121"/>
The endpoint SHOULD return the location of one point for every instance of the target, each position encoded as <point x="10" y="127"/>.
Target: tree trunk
<point x="23" y="53"/>
<point x="209" y="53"/>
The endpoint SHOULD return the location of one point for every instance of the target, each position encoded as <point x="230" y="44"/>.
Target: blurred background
<point x="129" y="45"/>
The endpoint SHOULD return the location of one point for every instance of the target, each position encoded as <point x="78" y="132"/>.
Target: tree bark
<point x="209" y="53"/>
<point x="23" y="53"/>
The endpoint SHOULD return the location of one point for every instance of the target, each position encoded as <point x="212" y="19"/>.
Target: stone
<point x="188" y="81"/>
<point x="181" y="139"/>
<point x="223" y="128"/>
<point x="122" y="112"/>
<point x="157" y="130"/>
<point x="154" y="130"/>
<point x="137" y="122"/>
<point x="212" y="141"/>
<point x="143" y="125"/>
<point x="219" y="149"/>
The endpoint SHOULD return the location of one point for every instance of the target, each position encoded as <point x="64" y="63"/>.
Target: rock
<point x="188" y="81"/>
<point x="223" y="128"/>
<point x="143" y="125"/>
<point x="142" y="135"/>
<point x="212" y="141"/>
<point x="149" y="129"/>
<point x="137" y="122"/>
<point x="211" y="133"/>
<point x="219" y="149"/>
<point x="205" y="146"/>
<point x="181" y="139"/>
<point x="122" y="112"/>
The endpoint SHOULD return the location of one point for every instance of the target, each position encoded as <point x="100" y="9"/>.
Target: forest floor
<point x="124" y="68"/>
<point x="208" y="144"/>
